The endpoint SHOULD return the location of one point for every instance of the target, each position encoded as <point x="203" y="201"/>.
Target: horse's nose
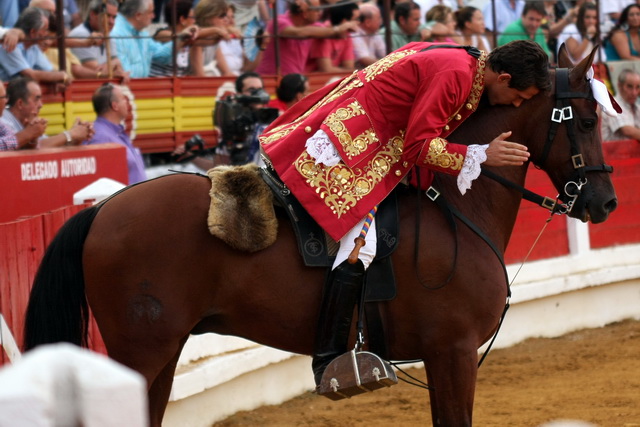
<point x="611" y="205"/>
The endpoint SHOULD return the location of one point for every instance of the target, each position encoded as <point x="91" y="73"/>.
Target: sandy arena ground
<point x="591" y="375"/>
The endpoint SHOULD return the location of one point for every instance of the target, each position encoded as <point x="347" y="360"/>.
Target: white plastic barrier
<point x="97" y="191"/>
<point x="61" y="385"/>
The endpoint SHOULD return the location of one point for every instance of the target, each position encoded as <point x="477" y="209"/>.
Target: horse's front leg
<point x="452" y="373"/>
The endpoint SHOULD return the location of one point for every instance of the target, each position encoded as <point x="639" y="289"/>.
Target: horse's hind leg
<point x="160" y="389"/>
<point x="452" y="376"/>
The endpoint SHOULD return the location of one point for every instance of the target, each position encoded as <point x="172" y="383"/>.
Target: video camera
<point x="238" y="117"/>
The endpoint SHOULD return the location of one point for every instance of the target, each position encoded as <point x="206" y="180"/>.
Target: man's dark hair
<point x="404" y="10"/>
<point x="527" y="63"/>
<point x="183" y="7"/>
<point x="295" y="8"/>
<point x="102" y="98"/>
<point x="97" y="6"/>
<point x="290" y="85"/>
<point x="534" y="5"/>
<point x="18" y="88"/>
<point x="342" y="11"/>
<point x="32" y="18"/>
<point x="241" y="78"/>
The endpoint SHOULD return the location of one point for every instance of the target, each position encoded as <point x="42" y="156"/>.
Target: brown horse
<point x="152" y="273"/>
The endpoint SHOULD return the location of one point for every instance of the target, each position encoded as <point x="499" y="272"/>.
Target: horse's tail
<point x="58" y="309"/>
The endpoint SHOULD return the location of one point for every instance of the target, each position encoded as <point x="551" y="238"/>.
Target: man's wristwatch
<point x="67" y="134"/>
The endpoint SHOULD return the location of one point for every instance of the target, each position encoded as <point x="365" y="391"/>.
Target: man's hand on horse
<point x="506" y="153"/>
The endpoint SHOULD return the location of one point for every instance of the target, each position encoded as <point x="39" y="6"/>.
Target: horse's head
<point x="572" y="153"/>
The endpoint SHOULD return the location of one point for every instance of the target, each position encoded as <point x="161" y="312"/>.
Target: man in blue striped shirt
<point x="136" y="48"/>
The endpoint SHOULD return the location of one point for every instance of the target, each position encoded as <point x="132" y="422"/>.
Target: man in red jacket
<point x="343" y="149"/>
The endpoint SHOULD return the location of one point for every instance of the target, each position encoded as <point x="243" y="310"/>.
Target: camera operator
<point x="243" y="117"/>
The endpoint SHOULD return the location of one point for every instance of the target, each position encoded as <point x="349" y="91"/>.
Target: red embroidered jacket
<point x="383" y="120"/>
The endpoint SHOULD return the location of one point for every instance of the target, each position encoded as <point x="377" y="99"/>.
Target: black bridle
<point x="562" y="113"/>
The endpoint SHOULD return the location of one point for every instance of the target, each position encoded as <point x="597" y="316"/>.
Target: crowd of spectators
<point x="124" y="39"/>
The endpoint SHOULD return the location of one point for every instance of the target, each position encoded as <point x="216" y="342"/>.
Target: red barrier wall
<point x="623" y="226"/>
<point x="35" y="181"/>
<point x="22" y="245"/>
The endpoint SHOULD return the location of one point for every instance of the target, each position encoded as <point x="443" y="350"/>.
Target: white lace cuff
<point x="320" y="147"/>
<point x="476" y="155"/>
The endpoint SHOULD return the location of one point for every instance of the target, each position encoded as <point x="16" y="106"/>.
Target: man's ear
<point x="504" y="77"/>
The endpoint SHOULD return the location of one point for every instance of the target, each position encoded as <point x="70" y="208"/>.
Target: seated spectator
<point x="627" y="124"/>
<point x="611" y="11"/>
<point x="527" y="27"/>
<point x="368" y="44"/>
<point x="27" y="59"/>
<point x="441" y="24"/>
<point x="8" y="140"/>
<point x="552" y="25"/>
<point x="405" y="27"/>
<point x="97" y="55"/>
<point x="24" y="98"/>
<point x="335" y="55"/>
<point x="185" y="18"/>
<point x="50" y="6"/>
<point x="579" y="38"/>
<point x="470" y="27"/>
<point x="73" y="65"/>
<point x="506" y="12"/>
<point x="292" y="88"/>
<point x="296" y="29"/>
<point x="10" y="38"/>
<point x="428" y="4"/>
<point x="211" y="17"/>
<point x="232" y="51"/>
<point x="619" y="43"/>
<point x="136" y="50"/>
<point x="112" y="107"/>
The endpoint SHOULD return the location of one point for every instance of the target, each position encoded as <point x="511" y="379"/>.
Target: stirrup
<point x="353" y="373"/>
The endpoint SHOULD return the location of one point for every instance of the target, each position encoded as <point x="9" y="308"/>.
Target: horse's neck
<point x="490" y="206"/>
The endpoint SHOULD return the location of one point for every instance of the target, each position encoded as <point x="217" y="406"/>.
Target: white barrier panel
<point x="61" y="385"/>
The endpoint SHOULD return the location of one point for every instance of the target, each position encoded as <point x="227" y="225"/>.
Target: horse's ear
<point x="563" y="57"/>
<point x="581" y="69"/>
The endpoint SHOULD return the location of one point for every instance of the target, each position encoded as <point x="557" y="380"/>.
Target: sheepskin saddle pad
<point x="241" y="212"/>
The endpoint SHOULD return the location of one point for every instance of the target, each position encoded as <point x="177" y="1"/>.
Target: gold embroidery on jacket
<point x="478" y="82"/>
<point x="438" y="156"/>
<point x="347" y="84"/>
<point x="340" y="187"/>
<point x="351" y="146"/>
<point x="385" y="63"/>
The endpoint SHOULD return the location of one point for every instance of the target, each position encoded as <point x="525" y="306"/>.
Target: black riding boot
<point x="341" y="292"/>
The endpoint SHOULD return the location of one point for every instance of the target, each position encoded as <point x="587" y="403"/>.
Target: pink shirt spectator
<point x="293" y="52"/>
<point x="338" y="50"/>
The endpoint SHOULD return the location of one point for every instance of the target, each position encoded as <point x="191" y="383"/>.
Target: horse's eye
<point x="588" y="124"/>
